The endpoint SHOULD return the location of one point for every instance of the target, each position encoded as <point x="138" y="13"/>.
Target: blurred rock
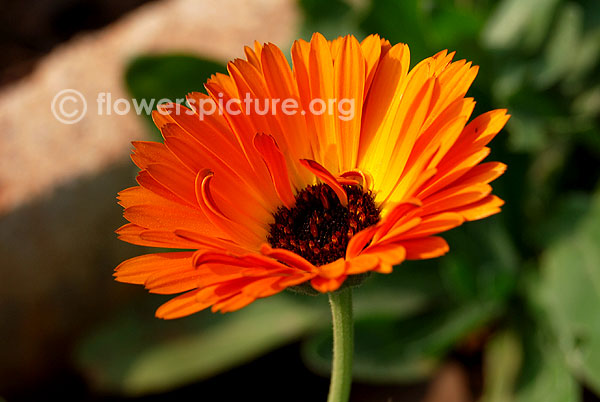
<point x="58" y="182"/>
<point x="32" y="28"/>
<point x="451" y="384"/>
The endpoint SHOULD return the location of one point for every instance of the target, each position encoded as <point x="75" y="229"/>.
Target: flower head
<point x="374" y="162"/>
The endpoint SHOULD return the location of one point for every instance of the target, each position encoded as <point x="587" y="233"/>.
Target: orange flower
<point x="267" y="201"/>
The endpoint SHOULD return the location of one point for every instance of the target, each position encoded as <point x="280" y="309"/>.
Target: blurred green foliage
<point x="523" y="286"/>
<point x="135" y="353"/>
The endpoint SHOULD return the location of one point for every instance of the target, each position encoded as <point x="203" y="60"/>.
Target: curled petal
<point x="326" y="178"/>
<point x="275" y="161"/>
<point x="215" y="215"/>
<point x="365" y="179"/>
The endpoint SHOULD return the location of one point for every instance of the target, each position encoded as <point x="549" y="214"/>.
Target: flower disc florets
<point x="319" y="227"/>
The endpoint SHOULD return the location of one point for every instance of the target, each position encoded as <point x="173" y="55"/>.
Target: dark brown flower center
<point x="318" y="227"/>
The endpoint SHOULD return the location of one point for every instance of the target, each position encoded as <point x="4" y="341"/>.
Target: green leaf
<point x="400" y="350"/>
<point x="545" y="376"/>
<point x="527" y="366"/>
<point x="502" y="364"/>
<point x="138" y="354"/>
<point x="562" y="47"/>
<point x="152" y="78"/>
<point x="587" y="103"/>
<point x="570" y="294"/>
<point x="586" y="59"/>
<point x="518" y="22"/>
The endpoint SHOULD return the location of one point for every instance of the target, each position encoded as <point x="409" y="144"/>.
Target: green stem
<point x="343" y="345"/>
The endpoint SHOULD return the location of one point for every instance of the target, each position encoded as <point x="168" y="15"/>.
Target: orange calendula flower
<point x="374" y="163"/>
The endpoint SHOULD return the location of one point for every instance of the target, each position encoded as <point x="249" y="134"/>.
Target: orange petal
<point x="398" y="229"/>
<point x="433" y="225"/>
<point x="300" y="60"/>
<point x="478" y="133"/>
<point x="452" y="171"/>
<point x="371" y="50"/>
<point x="229" y="183"/>
<point x="383" y="99"/>
<point x="483" y="173"/>
<point x="251" y="85"/>
<point x="148" y="152"/>
<point x="160" y="217"/>
<point x="136" y="270"/>
<point x="388" y="255"/>
<point x="178" y="180"/>
<point x="455" y="81"/>
<point x="148" y="182"/>
<point x="275" y="161"/>
<point x="233" y="303"/>
<point x="139" y="195"/>
<point x="296" y="279"/>
<point x="263" y="287"/>
<point x="247" y="265"/>
<point x="234" y="230"/>
<point x="175" y="280"/>
<point x="281" y="84"/>
<point x="287" y="257"/>
<point x="406" y="126"/>
<point x="358" y="242"/>
<point x="141" y="236"/>
<point x="333" y="269"/>
<point x="362" y="263"/>
<point x="325" y="285"/>
<point x="181" y="306"/>
<point x="252" y="57"/>
<point x="481" y="209"/>
<point x="424" y="248"/>
<point x="436" y="130"/>
<point x="321" y="78"/>
<point x="455" y="197"/>
<point x="243" y="128"/>
<point x="349" y="88"/>
<point x="398" y="212"/>
<point x="210" y="241"/>
<point x="162" y="238"/>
